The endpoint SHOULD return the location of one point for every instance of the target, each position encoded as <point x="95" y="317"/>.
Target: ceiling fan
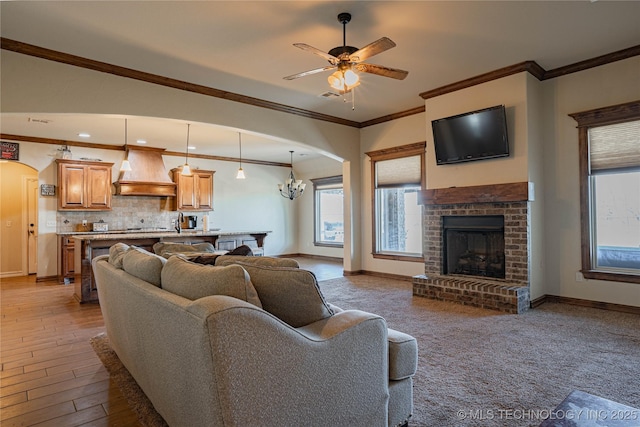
<point x="346" y="60"/>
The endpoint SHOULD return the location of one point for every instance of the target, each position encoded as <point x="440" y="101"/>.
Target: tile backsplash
<point x="126" y="212"/>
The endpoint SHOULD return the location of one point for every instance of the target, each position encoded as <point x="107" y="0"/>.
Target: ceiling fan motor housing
<point x="342" y="52"/>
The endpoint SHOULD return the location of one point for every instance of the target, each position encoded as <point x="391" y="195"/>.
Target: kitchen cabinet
<point x="193" y="192"/>
<point x="84" y="186"/>
<point x="66" y="260"/>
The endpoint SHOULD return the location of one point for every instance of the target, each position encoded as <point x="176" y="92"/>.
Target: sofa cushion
<point x="143" y="264"/>
<point x="116" y="254"/>
<point x="403" y="355"/>
<point x="193" y="281"/>
<point x="259" y="260"/>
<point x="166" y="249"/>
<point x="290" y="294"/>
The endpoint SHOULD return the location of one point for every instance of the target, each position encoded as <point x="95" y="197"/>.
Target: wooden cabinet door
<point x="204" y="191"/>
<point x="194" y="192"/>
<point x="84" y="186"/>
<point x="98" y="187"/>
<point x="187" y="192"/>
<point x="72" y="190"/>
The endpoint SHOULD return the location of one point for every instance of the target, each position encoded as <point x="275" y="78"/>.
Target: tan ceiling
<point x="247" y="48"/>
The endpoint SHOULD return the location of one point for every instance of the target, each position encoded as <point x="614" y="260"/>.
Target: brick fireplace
<point x="483" y="270"/>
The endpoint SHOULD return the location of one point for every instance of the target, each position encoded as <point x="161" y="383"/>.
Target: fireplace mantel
<point x="511" y="192"/>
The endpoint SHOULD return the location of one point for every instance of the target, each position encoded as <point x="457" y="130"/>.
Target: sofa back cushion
<point x="143" y="264"/>
<point x="116" y="254"/>
<point x="290" y="294"/>
<point x="193" y="281"/>
<point x="258" y="260"/>
<point x="166" y="249"/>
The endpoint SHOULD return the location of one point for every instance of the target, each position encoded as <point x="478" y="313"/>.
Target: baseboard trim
<point x="585" y="303"/>
<point x="387" y="275"/>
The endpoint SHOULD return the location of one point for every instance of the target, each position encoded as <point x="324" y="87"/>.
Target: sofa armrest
<point x="331" y="372"/>
<point x="403" y="355"/>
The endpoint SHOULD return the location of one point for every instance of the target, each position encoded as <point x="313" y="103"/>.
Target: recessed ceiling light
<point x="141" y="141"/>
<point x="191" y="147"/>
<point x="84" y="135"/>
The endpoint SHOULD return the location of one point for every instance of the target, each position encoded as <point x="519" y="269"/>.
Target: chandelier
<point x="292" y="187"/>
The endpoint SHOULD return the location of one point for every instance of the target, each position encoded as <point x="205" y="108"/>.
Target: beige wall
<point x="35" y="85"/>
<point x="312" y="169"/>
<point x="611" y="84"/>
<point x="403" y="131"/>
<point x="537" y="117"/>
<point x="512" y="93"/>
<point x="545" y="153"/>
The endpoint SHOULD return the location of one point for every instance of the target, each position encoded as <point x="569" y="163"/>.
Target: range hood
<point x="147" y="177"/>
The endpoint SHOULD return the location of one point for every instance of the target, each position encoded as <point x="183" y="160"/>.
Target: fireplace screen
<point x="474" y="245"/>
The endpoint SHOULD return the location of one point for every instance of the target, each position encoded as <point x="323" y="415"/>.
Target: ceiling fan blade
<point x="371" y="49"/>
<point x="308" y="73"/>
<point x="332" y="59"/>
<point x="382" y="71"/>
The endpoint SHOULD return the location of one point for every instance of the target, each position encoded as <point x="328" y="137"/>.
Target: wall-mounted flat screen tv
<point x="476" y="135"/>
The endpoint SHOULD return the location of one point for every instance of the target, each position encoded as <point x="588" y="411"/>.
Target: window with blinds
<point x="614" y="160"/>
<point x="402" y="172"/>
<point x="397" y="175"/>
<point x="614" y="147"/>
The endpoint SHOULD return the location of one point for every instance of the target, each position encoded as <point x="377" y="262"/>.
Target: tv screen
<point x="470" y="136"/>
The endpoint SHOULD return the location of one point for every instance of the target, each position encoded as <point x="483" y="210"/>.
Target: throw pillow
<point x="143" y="264"/>
<point x="242" y="250"/>
<point x="193" y="281"/>
<point x="257" y="260"/>
<point x="290" y="294"/>
<point x="116" y="254"/>
<point x="166" y="249"/>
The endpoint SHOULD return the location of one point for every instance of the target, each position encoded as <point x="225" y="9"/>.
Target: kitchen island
<point x="92" y="244"/>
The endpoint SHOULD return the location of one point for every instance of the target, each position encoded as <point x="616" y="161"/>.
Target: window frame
<point x="588" y="119"/>
<point x="318" y="183"/>
<point x="409" y="150"/>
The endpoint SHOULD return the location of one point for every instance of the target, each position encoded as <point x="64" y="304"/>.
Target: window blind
<point x="615" y="146"/>
<point x="398" y="172"/>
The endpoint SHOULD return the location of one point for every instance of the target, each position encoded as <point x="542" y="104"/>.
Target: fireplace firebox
<point x="474" y="245"/>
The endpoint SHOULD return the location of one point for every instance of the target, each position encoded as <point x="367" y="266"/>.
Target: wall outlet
<point x="51" y="223"/>
<point x="579" y="277"/>
<point x="84" y="222"/>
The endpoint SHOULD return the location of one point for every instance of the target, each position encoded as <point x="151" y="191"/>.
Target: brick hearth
<point x="509" y="295"/>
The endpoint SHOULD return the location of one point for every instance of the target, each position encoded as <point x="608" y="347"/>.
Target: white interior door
<point x="32" y="225"/>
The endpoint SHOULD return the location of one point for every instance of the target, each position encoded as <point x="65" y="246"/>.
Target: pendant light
<point x="186" y="170"/>
<point x="240" y="174"/>
<point x="292" y="187"/>
<point x="125" y="166"/>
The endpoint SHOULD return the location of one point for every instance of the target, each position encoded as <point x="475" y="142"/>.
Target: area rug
<point x="478" y="367"/>
<point x="136" y="398"/>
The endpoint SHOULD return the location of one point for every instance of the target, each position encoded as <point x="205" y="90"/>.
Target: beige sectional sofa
<point x="250" y="343"/>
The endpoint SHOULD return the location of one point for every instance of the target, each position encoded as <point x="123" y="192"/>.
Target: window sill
<point x="398" y="257"/>
<point x="610" y="276"/>
<point x="329" y="245"/>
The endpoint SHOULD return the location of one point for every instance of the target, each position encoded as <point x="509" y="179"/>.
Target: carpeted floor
<point x="482" y="368"/>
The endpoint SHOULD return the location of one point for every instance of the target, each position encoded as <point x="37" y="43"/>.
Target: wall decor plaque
<point x="9" y="150"/>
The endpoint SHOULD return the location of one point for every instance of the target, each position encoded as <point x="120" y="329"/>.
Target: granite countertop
<point x="138" y="234"/>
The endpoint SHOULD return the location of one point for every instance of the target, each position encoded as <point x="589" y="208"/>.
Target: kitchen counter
<point x="89" y="245"/>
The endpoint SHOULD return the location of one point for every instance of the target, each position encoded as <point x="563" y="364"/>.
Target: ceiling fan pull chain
<point x="353" y="99"/>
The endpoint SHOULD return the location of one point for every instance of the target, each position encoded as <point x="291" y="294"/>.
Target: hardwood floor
<point x="49" y="374"/>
